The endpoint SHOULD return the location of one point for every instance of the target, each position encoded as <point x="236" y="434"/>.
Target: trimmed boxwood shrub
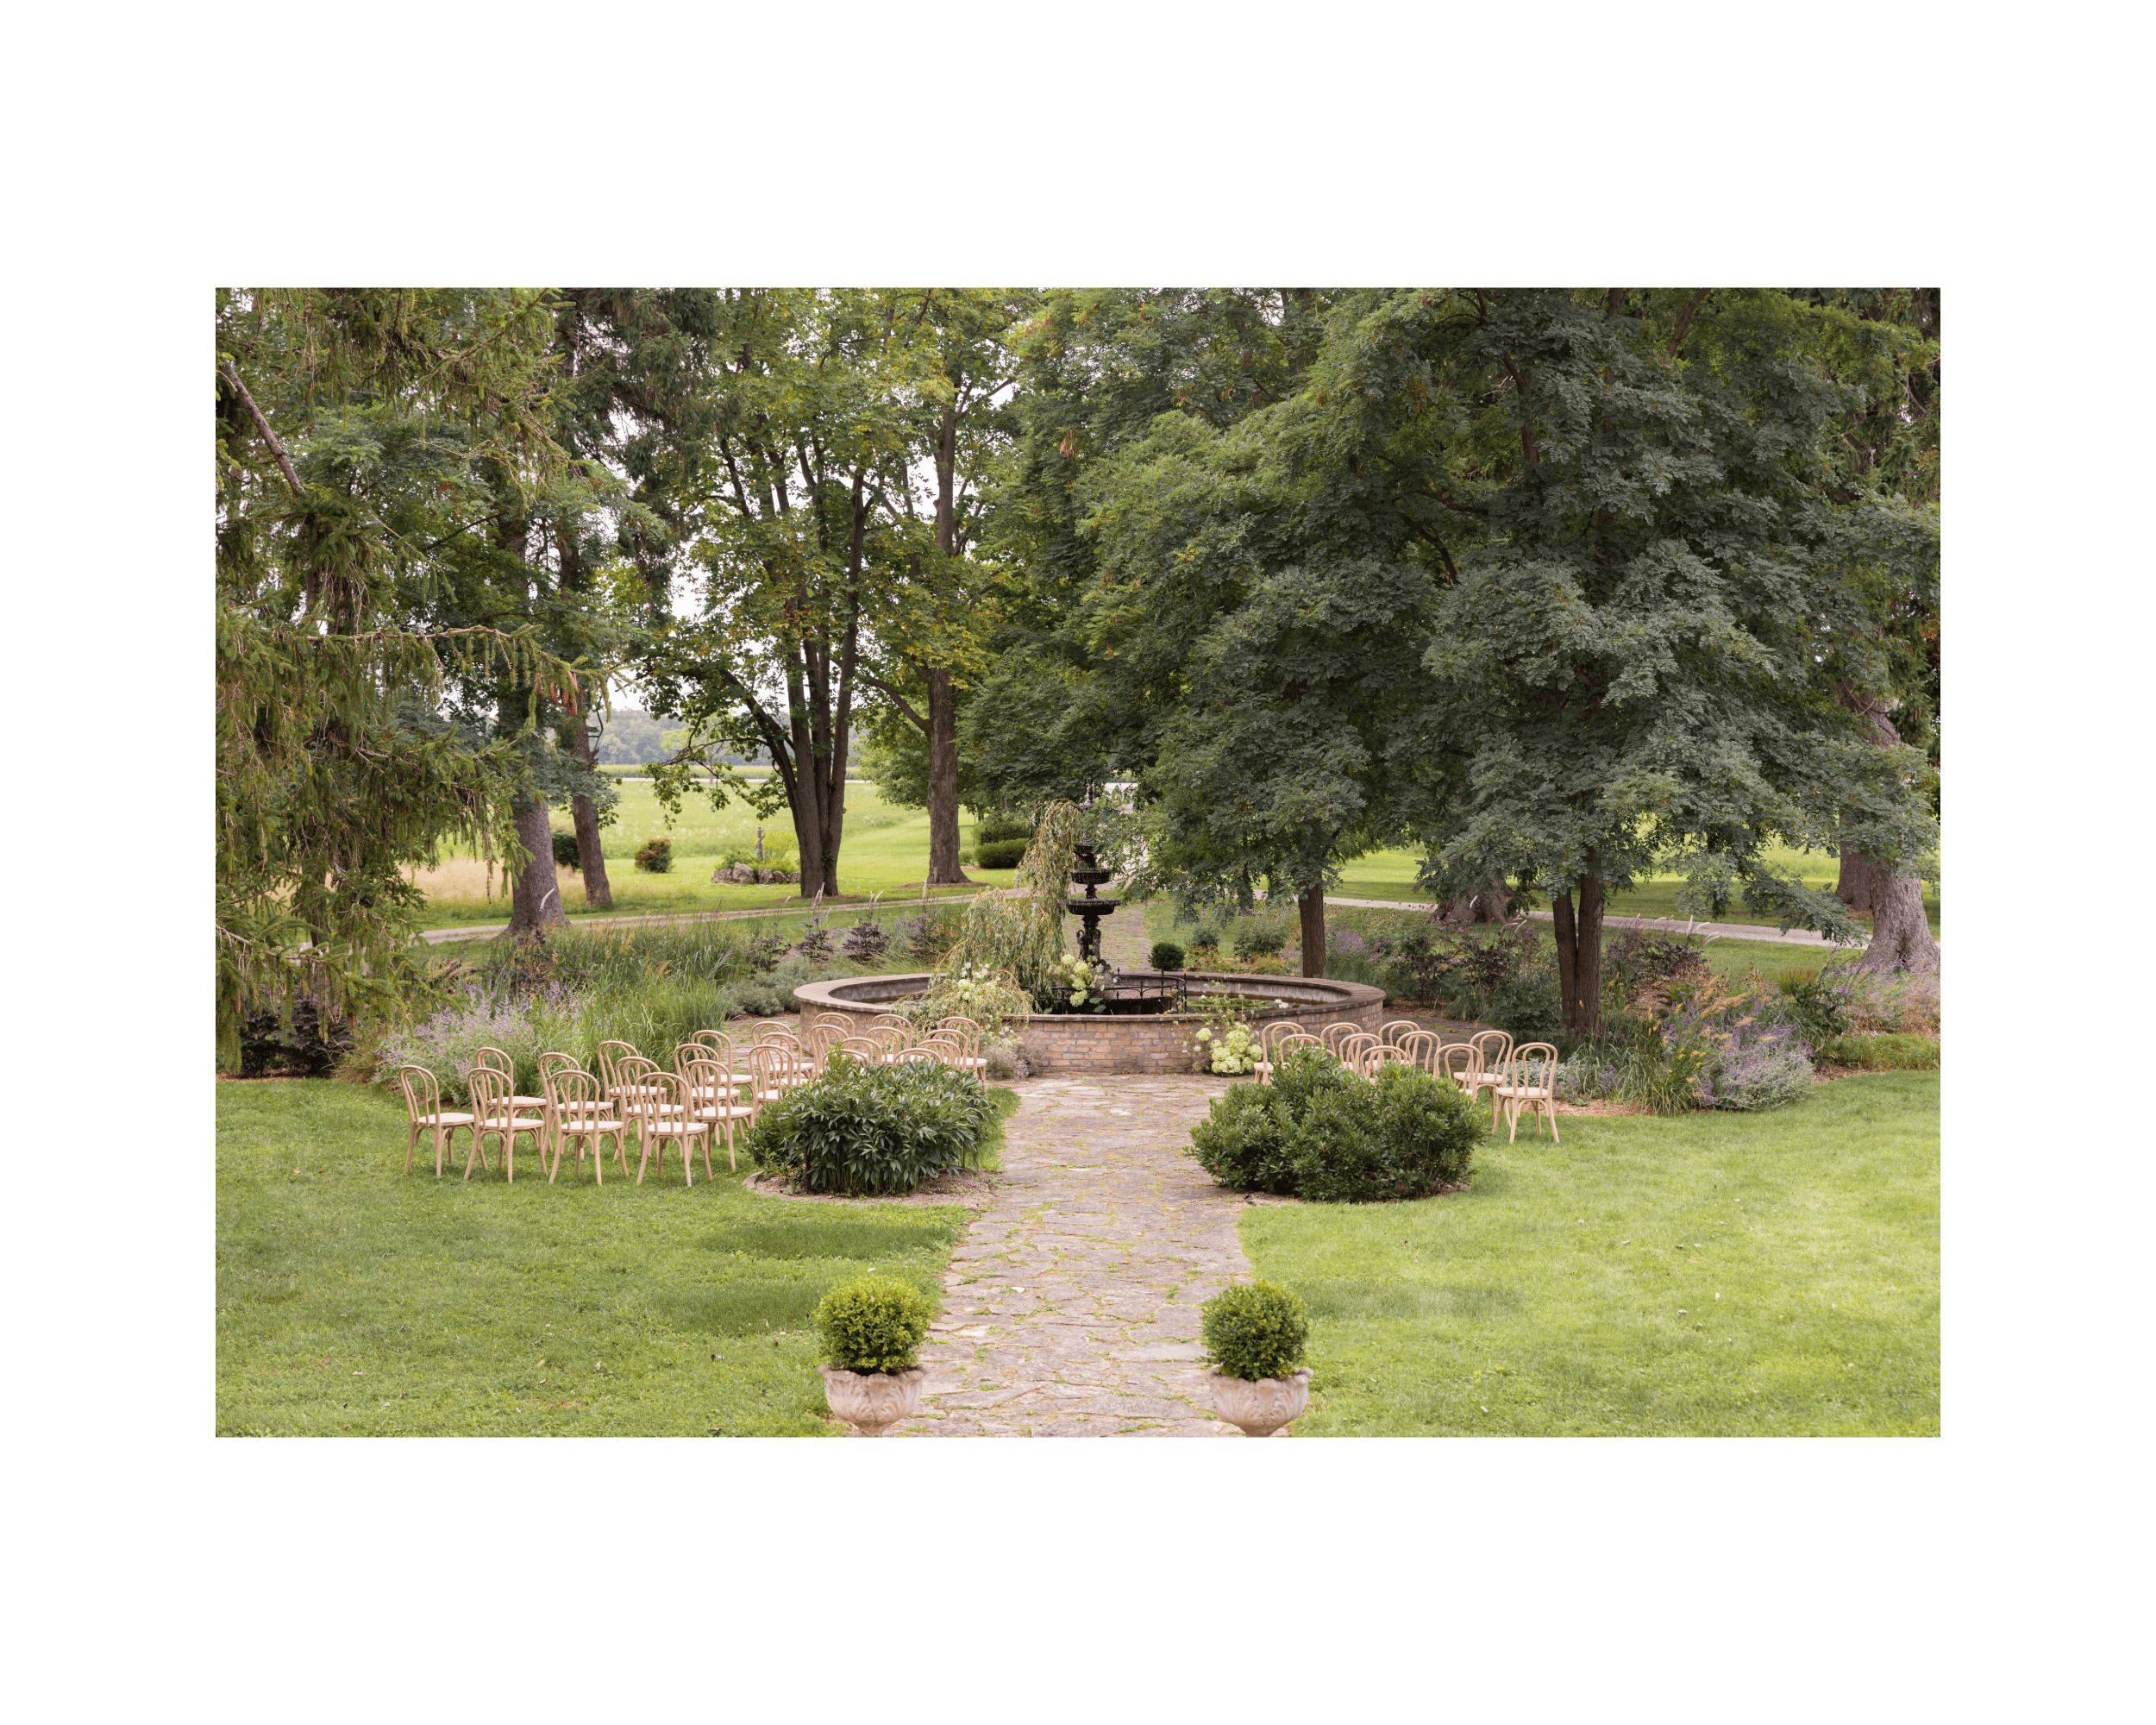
<point x="1167" y="955"/>
<point x="866" y="1130"/>
<point x="656" y="857"/>
<point x="1255" y="1332"/>
<point x="873" y="1323"/>
<point x="566" y="854"/>
<point x="1002" y="853"/>
<point x="1318" y="1132"/>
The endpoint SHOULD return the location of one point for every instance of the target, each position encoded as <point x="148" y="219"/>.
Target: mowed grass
<point x="353" y="1299"/>
<point x="1391" y="874"/>
<point x="1772" y="1274"/>
<point x="884" y="849"/>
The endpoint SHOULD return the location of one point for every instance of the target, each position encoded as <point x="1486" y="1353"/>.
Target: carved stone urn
<point x="1261" y="1405"/>
<point x="871" y="1402"/>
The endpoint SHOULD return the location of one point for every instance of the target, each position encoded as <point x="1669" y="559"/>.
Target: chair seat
<point x="1526" y="1093"/>
<point x="724" y="1114"/>
<point x="677" y="1128"/>
<point x="497" y="1123"/>
<point x="443" y="1121"/>
<point x="584" y="1123"/>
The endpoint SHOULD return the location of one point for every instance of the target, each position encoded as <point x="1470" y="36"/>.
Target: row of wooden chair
<point x="1520" y="1079"/>
<point x="718" y="1085"/>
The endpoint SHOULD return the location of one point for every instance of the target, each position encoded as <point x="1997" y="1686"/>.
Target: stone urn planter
<point x="872" y="1401"/>
<point x="1260" y="1406"/>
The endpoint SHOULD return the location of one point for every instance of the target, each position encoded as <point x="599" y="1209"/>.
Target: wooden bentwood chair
<point x="1531" y="1086"/>
<point x="498" y="1117"/>
<point x="424" y="1113"/>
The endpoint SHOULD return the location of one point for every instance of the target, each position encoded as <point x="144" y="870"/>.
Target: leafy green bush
<point x="1890" y="1053"/>
<point x="1319" y="1132"/>
<point x="1002" y="853"/>
<point x="565" y="853"/>
<point x="656" y="857"/>
<point x="1819" y="1009"/>
<point x="1167" y="955"/>
<point x="1002" y="832"/>
<point x="868" y="1130"/>
<point x="1255" y="1332"/>
<point x="1259" y="939"/>
<point x="873" y="1324"/>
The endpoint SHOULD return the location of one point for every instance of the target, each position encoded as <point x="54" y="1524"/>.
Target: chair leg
<point x="411" y="1142"/>
<point x="1553" y="1121"/>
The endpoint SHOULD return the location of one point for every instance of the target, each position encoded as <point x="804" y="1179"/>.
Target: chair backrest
<point x="574" y="1094"/>
<point x="490" y="1095"/>
<point x="713" y="1038"/>
<point x="1351" y="1046"/>
<point x="637" y="1071"/>
<point x="1461" y="1061"/>
<point x="1533" y="1067"/>
<point x="1295" y="1040"/>
<point x="861" y="1048"/>
<point x="1272" y="1035"/>
<point x="1333" y="1036"/>
<point x="940" y="1047"/>
<point x="1420" y="1048"/>
<point x="1394" y="1032"/>
<point x="964" y="1031"/>
<point x="662" y="1096"/>
<point x="553" y="1061"/>
<point x="423" y="1091"/>
<point x="770" y="1064"/>
<point x="771" y="1030"/>
<point x="610" y="1056"/>
<point x="844" y="1023"/>
<point x="1496" y="1046"/>
<point x="708" y="1080"/>
<point x="1368" y="1056"/>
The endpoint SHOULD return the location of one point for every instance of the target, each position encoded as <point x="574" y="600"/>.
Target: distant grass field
<point x="883" y="849"/>
<point x="1731" y="1274"/>
<point x="1391" y="874"/>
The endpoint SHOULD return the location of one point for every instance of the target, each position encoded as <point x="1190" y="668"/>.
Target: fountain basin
<point x="1154" y="1042"/>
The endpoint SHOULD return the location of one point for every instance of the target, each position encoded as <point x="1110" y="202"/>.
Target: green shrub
<point x="565" y="853"/>
<point x="1318" y="1132"/>
<point x="1002" y="853"/>
<point x="1890" y="1053"/>
<point x="1002" y="832"/>
<point x="873" y="1323"/>
<point x="656" y="857"/>
<point x="1167" y="955"/>
<point x="1259" y="940"/>
<point x="868" y="1130"/>
<point x="1255" y="1332"/>
<point x="1818" y="1009"/>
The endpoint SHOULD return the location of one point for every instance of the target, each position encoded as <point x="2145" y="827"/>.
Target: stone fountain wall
<point x="1158" y="1042"/>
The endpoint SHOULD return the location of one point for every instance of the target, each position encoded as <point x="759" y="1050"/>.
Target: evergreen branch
<point x="261" y="423"/>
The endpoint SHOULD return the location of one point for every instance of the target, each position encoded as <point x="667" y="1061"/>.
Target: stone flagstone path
<point x="1070" y="1309"/>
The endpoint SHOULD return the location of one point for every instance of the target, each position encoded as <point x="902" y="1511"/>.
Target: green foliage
<point x="1001" y="829"/>
<point x="656" y="857"/>
<point x="1259" y="939"/>
<point x="1002" y="853"/>
<point x="867" y="1130"/>
<point x="874" y="1324"/>
<point x="1819" y="1009"/>
<point x="1256" y="1331"/>
<point x="1891" y="1052"/>
<point x="1318" y="1132"/>
<point x="1023" y="936"/>
<point x="566" y="852"/>
<point x="1166" y="956"/>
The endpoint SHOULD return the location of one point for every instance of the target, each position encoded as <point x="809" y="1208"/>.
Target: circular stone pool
<point x="1155" y="1042"/>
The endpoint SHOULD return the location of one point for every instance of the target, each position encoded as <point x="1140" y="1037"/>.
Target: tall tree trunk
<point x="1901" y="934"/>
<point x="1580" y="956"/>
<point x="942" y="782"/>
<point x="1487" y="905"/>
<point x="1858" y="886"/>
<point x="535" y="903"/>
<point x="1310" y="909"/>
<point x="599" y="891"/>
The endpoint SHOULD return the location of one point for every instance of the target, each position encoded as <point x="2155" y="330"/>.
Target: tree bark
<point x="591" y="861"/>
<point x="942" y="782"/>
<point x="1580" y="957"/>
<point x="1310" y="909"/>
<point x="1901" y="933"/>
<point x="535" y="902"/>
<point x="1487" y="905"/>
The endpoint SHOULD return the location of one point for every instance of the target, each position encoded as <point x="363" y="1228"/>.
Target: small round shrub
<point x="1002" y="832"/>
<point x="873" y="1323"/>
<point x="566" y="854"/>
<point x="1244" y="1142"/>
<point x="1255" y="1332"/>
<point x="1002" y="853"/>
<point x="656" y="857"/>
<point x="1258" y="940"/>
<point x="864" y="1130"/>
<point x="1167" y="955"/>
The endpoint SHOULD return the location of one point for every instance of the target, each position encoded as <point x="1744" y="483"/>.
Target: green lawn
<point x="884" y="849"/>
<point x="351" y="1298"/>
<point x="1709" y="1275"/>
<point x="1391" y="874"/>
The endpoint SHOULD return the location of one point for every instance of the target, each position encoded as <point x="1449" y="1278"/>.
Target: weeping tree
<point x="359" y="433"/>
<point x="1021" y="936"/>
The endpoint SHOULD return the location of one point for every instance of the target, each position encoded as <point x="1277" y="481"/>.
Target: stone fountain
<point x="1091" y="908"/>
